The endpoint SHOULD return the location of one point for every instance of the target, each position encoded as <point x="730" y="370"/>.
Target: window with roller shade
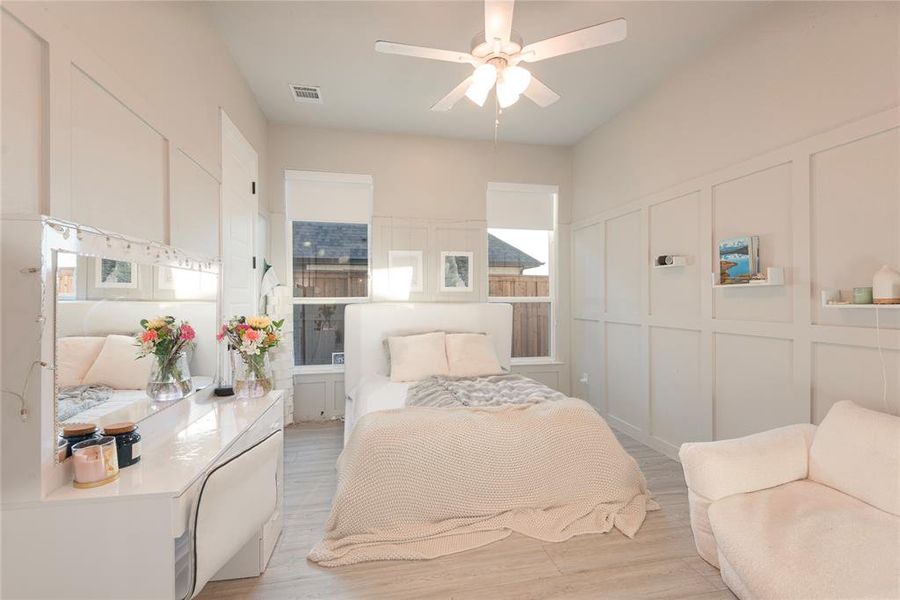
<point x="521" y="222"/>
<point x="328" y="215"/>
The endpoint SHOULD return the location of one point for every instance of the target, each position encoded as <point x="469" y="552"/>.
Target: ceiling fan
<point x="496" y="53"/>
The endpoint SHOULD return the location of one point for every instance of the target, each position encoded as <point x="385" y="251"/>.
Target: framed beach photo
<point x="405" y="269"/>
<point x="456" y="271"/>
<point x="110" y="273"/>
<point x="738" y="259"/>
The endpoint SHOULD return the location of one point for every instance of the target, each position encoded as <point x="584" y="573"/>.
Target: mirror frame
<point x="63" y="236"/>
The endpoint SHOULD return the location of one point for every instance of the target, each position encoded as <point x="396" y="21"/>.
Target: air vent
<point x="306" y="93"/>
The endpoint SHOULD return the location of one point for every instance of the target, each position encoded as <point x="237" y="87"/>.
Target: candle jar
<point x="128" y="442"/>
<point x="95" y="462"/>
<point x="78" y="432"/>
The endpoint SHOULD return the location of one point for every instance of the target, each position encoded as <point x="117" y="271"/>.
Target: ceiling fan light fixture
<point x="483" y="80"/>
<point x="506" y="94"/>
<point x="478" y="94"/>
<point x="516" y="79"/>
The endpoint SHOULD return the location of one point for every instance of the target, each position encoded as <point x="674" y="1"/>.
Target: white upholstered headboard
<point x="366" y="326"/>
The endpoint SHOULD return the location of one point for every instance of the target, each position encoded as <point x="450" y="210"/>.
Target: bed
<point x="366" y="362"/>
<point x="449" y="463"/>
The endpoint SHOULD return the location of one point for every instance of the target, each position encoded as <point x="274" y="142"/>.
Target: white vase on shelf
<point x="886" y="286"/>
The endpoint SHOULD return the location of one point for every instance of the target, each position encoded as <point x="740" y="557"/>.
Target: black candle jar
<point x="78" y="432"/>
<point x="128" y="442"/>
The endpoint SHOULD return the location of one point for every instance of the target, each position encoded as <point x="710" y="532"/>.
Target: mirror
<point x="101" y="375"/>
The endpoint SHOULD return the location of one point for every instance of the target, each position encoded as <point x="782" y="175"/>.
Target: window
<point x="328" y="217"/>
<point x="522" y="264"/>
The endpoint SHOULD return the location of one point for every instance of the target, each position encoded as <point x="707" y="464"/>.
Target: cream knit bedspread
<point x="418" y="483"/>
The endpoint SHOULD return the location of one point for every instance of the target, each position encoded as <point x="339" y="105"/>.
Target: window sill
<point x="319" y="370"/>
<point x="536" y="362"/>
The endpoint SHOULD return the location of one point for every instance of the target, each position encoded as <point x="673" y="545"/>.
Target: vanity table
<point x="133" y="538"/>
<point x="205" y="500"/>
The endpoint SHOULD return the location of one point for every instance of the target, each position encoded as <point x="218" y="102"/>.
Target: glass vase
<point x="170" y="378"/>
<point x="251" y="374"/>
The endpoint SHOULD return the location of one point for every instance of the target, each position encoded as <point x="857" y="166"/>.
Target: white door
<point x="240" y="167"/>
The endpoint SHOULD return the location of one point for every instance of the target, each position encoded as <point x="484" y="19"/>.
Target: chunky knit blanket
<point x="489" y="390"/>
<point x="421" y="482"/>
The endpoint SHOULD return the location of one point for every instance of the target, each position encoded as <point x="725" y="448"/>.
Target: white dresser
<point x="133" y="538"/>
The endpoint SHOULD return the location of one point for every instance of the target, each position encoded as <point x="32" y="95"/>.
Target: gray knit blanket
<point x="78" y="398"/>
<point x="490" y="390"/>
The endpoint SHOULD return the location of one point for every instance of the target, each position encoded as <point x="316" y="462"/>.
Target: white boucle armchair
<point x="800" y="511"/>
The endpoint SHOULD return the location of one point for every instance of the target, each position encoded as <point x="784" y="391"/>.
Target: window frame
<point x="289" y="237"/>
<point x="553" y="259"/>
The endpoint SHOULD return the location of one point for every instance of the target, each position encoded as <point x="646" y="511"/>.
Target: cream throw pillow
<point x="415" y="357"/>
<point x="471" y="355"/>
<point x="74" y="357"/>
<point x="117" y="367"/>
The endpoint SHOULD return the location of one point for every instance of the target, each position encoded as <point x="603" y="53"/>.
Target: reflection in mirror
<point x="101" y="377"/>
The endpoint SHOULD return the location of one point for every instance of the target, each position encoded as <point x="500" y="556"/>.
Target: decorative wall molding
<point x="756" y="323"/>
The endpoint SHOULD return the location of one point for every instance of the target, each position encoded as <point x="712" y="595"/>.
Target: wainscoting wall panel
<point x="756" y="204"/>
<point x="119" y="164"/>
<point x="626" y="396"/>
<point x="844" y="372"/>
<point x="587" y="272"/>
<point x="623" y="264"/>
<point x="753" y="385"/>
<point x="675" y="229"/>
<point x="855" y="197"/>
<point x="195" y="200"/>
<point x="678" y="410"/>
<point x="22" y="113"/>
<point x="683" y="361"/>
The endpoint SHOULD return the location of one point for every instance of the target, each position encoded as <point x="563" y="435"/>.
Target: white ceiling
<point x="330" y="44"/>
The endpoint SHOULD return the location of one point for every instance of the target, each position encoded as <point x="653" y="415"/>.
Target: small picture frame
<point x="165" y="278"/>
<point x="337" y="358"/>
<point x="406" y="266"/>
<point x="456" y="271"/>
<point x="111" y="273"/>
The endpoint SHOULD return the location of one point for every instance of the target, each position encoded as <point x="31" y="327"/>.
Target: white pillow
<point x="415" y="357"/>
<point x="117" y="367"/>
<point x="471" y="355"/>
<point x="74" y="357"/>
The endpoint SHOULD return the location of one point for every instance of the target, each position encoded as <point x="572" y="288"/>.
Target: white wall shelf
<point x="774" y="276"/>
<point x="857" y="306"/>
<point x="678" y="261"/>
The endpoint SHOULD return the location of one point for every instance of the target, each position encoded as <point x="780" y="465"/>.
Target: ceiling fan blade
<point x="575" y="41"/>
<point x="422" y="52"/>
<point x="540" y="94"/>
<point x="498" y="16"/>
<point x="447" y="102"/>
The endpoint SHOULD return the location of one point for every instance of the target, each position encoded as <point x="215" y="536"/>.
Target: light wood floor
<point x="659" y="563"/>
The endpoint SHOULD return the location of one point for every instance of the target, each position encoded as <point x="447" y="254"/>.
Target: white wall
<point x="798" y="69"/>
<point x="111" y="117"/>
<point x="429" y="193"/>
<point x="669" y="358"/>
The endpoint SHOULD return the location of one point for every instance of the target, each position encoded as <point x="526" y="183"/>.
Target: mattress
<point x="374" y="393"/>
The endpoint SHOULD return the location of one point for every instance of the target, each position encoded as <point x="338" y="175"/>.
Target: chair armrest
<point x="715" y="470"/>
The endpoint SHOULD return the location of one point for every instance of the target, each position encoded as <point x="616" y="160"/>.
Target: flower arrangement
<point x="168" y="342"/>
<point x="251" y="338"/>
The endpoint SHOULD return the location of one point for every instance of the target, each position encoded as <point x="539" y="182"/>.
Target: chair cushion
<point x="857" y="451"/>
<point x="806" y="540"/>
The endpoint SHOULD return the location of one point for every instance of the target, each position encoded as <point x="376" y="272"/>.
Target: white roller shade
<point x="328" y="197"/>
<point x="521" y="206"/>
